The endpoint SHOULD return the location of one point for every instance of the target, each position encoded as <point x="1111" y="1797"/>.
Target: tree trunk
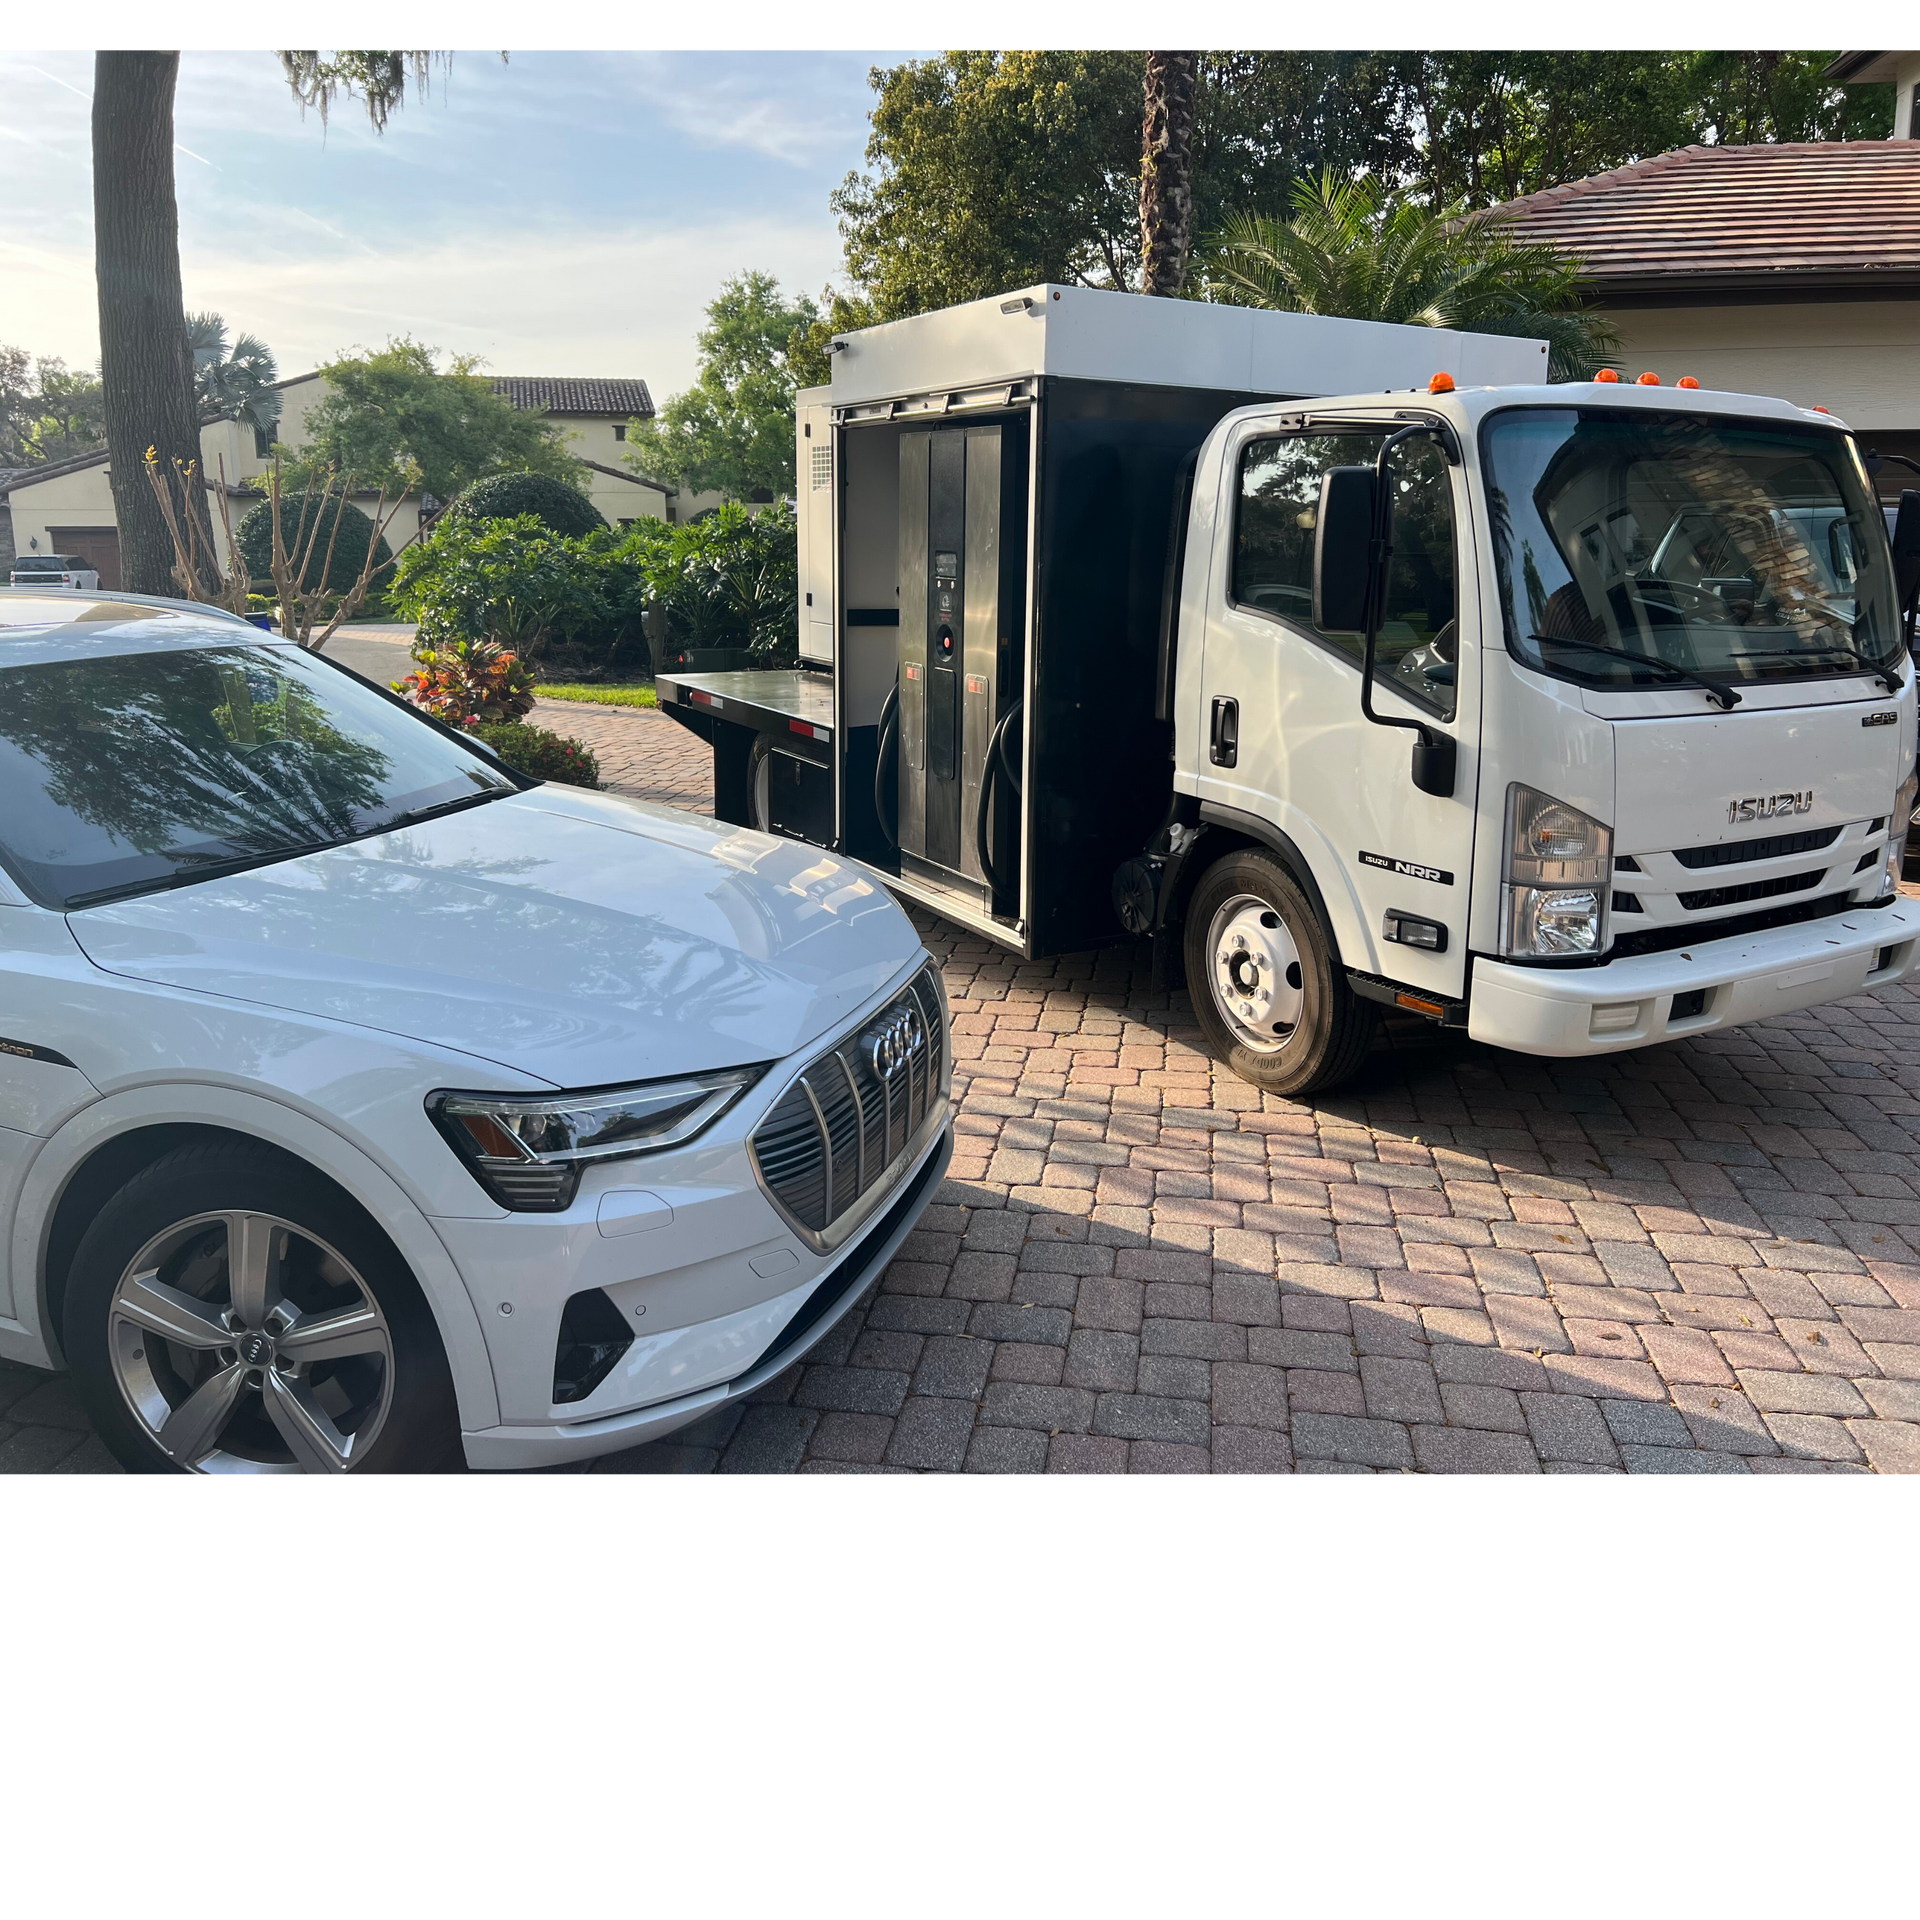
<point x="146" y="367"/>
<point x="1166" y="172"/>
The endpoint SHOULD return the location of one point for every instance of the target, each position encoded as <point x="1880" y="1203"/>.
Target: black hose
<point x="997" y="762"/>
<point x="889" y="735"/>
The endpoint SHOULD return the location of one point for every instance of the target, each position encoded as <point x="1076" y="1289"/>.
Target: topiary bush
<point x="505" y="496"/>
<point x="304" y="515"/>
<point x="535" y="751"/>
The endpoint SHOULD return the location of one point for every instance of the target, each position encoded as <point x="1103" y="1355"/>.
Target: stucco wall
<point x="1859" y="359"/>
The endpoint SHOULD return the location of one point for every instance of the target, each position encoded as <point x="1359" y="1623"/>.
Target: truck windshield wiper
<point x="1723" y="694"/>
<point x="1887" y="676"/>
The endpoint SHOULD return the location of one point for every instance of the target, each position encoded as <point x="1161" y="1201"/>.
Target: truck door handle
<point x="1224" y="747"/>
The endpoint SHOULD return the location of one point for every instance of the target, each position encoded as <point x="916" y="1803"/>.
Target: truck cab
<point x="1575" y="716"/>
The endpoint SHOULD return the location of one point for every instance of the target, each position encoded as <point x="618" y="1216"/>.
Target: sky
<point x="563" y="213"/>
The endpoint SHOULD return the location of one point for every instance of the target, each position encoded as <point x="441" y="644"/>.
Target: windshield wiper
<point x="1887" y="676"/>
<point x="414" y="815"/>
<point x="191" y="876"/>
<point x="240" y="863"/>
<point x="1724" y="695"/>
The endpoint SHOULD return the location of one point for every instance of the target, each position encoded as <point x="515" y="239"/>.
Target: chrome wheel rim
<point x="1253" y="968"/>
<point x="242" y="1343"/>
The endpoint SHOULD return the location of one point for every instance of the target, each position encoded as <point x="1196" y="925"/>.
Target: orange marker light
<point x="1440" y="383"/>
<point x="1648" y="380"/>
<point x="1607" y="374"/>
<point x="1686" y="380"/>
<point x="1823" y="409"/>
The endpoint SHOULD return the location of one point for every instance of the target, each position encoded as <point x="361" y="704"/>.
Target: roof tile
<point x="601" y="399"/>
<point x="1820" y="212"/>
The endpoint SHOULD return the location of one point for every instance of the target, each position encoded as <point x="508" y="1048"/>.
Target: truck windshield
<point x="120" y="773"/>
<point x="1737" y="549"/>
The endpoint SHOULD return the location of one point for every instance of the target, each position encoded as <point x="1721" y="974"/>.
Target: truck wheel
<point x="229" y="1311"/>
<point x="1268" y="989"/>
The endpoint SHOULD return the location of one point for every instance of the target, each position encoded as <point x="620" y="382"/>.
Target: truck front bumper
<point x="1630" y="1003"/>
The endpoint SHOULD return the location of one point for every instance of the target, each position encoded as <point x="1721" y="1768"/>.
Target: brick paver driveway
<point x="1700" y="1258"/>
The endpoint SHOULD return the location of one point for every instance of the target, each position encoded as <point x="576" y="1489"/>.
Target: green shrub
<point x="535" y="751"/>
<point x="577" y="608"/>
<point x="505" y="496"/>
<point x="513" y="582"/>
<point x="729" y="579"/>
<point x="305" y="516"/>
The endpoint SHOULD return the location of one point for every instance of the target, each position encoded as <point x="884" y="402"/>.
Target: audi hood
<point x="577" y="938"/>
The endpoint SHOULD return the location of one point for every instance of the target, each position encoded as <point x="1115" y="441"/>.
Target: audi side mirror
<point x="1343" y="550"/>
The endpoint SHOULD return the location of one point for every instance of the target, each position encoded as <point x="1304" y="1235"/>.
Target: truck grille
<point x="1750" y="890"/>
<point x="849" y="1119"/>
<point x="1733" y="853"/>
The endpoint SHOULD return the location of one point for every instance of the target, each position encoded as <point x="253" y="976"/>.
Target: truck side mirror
<point x="1906" y="549"/>
<point x="1343" y="550"/>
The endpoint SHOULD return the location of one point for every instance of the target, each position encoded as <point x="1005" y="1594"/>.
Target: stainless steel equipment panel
<point x="980" y="663"/>
<point x="913" y="642"/>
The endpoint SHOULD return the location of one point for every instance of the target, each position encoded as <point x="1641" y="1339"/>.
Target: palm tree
<point x="233" y="382"/>
<point x="1362" y="251"/>
<point x="1166" y="171"/>
<point x="147" y="368"/>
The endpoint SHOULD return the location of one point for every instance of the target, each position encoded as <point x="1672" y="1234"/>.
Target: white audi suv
<point x="366" y="1105"/>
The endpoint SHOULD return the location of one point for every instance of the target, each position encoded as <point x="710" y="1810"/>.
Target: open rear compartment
<point x="1002" y="574"/>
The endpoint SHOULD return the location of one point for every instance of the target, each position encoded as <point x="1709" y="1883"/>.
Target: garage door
<point x="99" y="547"/>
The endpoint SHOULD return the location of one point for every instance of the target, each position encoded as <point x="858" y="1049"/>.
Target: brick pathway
<point x="641" y="752"/>
<point x="1700" y="1258"/>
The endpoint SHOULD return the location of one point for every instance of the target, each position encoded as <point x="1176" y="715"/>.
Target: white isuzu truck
<point x="1575" y="716"/>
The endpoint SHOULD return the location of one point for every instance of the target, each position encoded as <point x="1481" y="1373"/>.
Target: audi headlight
<point x="527" y="1150"/>
<point x="1898" y="822"/>
<point x="1559" y="877"/>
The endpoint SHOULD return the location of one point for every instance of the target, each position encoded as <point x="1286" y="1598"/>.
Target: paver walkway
<point x="1699" y="1258"/>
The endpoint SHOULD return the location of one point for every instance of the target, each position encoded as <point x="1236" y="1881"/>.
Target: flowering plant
<point x="466" y="682"/>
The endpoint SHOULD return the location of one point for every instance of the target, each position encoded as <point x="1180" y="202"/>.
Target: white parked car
<point x="366" y="1105"/>
<point x="53" y="570"/>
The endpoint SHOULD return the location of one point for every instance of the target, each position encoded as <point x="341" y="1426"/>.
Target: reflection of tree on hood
<point x="135" y="745"/>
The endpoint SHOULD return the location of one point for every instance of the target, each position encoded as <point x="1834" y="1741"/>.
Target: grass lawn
<point x="596" y="694"/>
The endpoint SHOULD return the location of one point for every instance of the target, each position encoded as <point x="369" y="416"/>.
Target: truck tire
<point x="1268" y="989"/>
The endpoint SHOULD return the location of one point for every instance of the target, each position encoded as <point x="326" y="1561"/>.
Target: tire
<point x="759" y="813"/>
<point x="181" y="1375"/>
<point x="1268" y="989"/>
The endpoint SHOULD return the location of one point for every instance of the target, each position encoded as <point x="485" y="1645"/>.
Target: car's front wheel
<point x="230" y="1311"/>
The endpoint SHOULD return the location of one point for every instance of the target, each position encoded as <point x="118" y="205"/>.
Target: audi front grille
<point x="831" y="1144"/>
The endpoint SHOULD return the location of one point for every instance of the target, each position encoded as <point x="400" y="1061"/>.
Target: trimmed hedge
<point x="535" y="751"/>
<point x="504" y="496"/>
<point x="254" y="536"/>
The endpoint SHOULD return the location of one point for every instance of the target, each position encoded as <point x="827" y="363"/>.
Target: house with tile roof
<point x="1791" y="270"/>
<point x="67" y="506"/>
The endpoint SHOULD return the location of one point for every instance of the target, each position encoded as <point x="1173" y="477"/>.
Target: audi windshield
<point x="1639" y="548"/>
<point x="124" y="772"/>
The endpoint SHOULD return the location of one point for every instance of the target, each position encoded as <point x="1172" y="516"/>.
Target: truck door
<point x="1282" y="735"/>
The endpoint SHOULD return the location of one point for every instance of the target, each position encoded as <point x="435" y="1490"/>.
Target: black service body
<point x="1040" y="541"/>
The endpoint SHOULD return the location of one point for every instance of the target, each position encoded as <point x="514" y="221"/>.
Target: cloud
<point x="625" y="303"/>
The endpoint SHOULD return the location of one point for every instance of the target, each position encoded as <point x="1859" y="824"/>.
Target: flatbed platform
<point x="774" y="701"/>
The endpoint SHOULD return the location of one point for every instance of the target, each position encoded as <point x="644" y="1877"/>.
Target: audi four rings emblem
<point x="890" y="1042"/>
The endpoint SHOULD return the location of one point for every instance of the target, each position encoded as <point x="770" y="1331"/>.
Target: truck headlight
<point x="1897" y="823"/>
<point x="527" y="1150"/>
<point x="1559" y="877"/>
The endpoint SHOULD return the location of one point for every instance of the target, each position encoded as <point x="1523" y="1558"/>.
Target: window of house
<point x="619" y="429"/>
<point x="1273" y="554"/>
<point x="262" y="444"/>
